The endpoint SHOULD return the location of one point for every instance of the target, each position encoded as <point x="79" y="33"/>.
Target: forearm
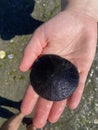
<point x="89" y="7"/>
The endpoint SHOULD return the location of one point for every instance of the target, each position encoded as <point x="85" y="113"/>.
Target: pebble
<point x="96" y="121"/>
<point x="96" y="67"/>
<point x="96" y="104"/>
<point x="44" y="4"/>
<point x="10" y="56"/>
<point x="11" y="41"/>
<point x="96" y="80"/>
<point x="2" y="54"/>
<point x="38" y="1"/>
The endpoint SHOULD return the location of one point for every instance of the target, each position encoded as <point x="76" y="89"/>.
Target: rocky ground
<point x="18" y="20"/>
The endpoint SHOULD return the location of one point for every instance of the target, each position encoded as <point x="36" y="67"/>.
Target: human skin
<point x="72" y="34"/>
<point x="13" y="123"/>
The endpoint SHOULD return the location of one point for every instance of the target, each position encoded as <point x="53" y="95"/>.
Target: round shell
<point x="53" y="77"/>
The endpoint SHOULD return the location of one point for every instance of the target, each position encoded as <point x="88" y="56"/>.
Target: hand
<point x="69" y="35"/>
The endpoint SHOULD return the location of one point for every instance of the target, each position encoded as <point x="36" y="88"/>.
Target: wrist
<point x="86" y="7"/>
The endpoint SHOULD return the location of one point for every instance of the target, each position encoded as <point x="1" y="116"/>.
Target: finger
<point x="33" y="49"/>
<point x="42" y="112"/>
<point x="31" y="127"/>
<point x="74" y="100"/>
<point x="13" y="123"/>
<point x="56" y="111"/>
<point x="29" y="101"/>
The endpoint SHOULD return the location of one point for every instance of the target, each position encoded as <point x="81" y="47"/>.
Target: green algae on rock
<point x="53" y="77"/>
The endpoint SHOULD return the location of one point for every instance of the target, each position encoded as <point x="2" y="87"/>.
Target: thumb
<point x="33" y="49"/>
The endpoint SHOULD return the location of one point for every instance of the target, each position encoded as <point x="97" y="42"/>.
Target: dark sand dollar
<point x="53" y="77"/>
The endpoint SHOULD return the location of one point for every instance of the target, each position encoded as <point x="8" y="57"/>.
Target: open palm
<point x="68" y="35"/>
